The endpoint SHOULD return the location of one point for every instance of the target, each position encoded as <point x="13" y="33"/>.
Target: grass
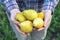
<point x="6" y="32"/>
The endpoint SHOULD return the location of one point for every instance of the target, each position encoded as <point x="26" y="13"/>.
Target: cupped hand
<point x="16" y="23"/>
<point x="47" y="20"/>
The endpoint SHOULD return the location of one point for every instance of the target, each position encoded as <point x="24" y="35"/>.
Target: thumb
<point x="47" y="21"/>
<point x="40" y="29"/>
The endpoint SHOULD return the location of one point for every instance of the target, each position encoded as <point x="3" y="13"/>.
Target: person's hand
<point x="13" y="15"/>
<point x="47" y="20"/>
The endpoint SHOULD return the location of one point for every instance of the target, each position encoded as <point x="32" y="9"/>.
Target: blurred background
<point x="6" y="32"/>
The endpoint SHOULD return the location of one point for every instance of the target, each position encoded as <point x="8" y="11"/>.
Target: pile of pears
<point x="30" y="19"/>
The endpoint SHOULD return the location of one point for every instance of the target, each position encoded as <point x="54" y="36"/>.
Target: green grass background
<point x="6" y="32"/>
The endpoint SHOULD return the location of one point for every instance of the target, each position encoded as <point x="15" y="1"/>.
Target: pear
<point x="20" y="17"/>
<point x="38" y="23"/>
<point x="41" y="15"/>
<point x="30" y="14"/>
<point x="26" y="26"/>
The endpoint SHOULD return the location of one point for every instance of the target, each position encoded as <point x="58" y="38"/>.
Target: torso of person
<point x="30" y="4"/>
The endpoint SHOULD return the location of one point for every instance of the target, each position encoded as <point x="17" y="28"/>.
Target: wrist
<point x="47" y="12"/>
<point x="14" y="11"/>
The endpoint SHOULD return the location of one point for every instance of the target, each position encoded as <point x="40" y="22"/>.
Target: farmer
<point x="46" y="6"/>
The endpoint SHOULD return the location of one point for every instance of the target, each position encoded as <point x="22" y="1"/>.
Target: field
<point x="6" y="32"/>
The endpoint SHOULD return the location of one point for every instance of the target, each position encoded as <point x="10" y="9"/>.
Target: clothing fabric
<point x="30" y="4"/>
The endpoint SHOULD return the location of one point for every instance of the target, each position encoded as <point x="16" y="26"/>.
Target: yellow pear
<point x="26" y="26"/>
<point x="30" y="14"/>
<point x="41" y="15"/>
<point x="20" y="17"/>
<point x="38" y="23"/>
